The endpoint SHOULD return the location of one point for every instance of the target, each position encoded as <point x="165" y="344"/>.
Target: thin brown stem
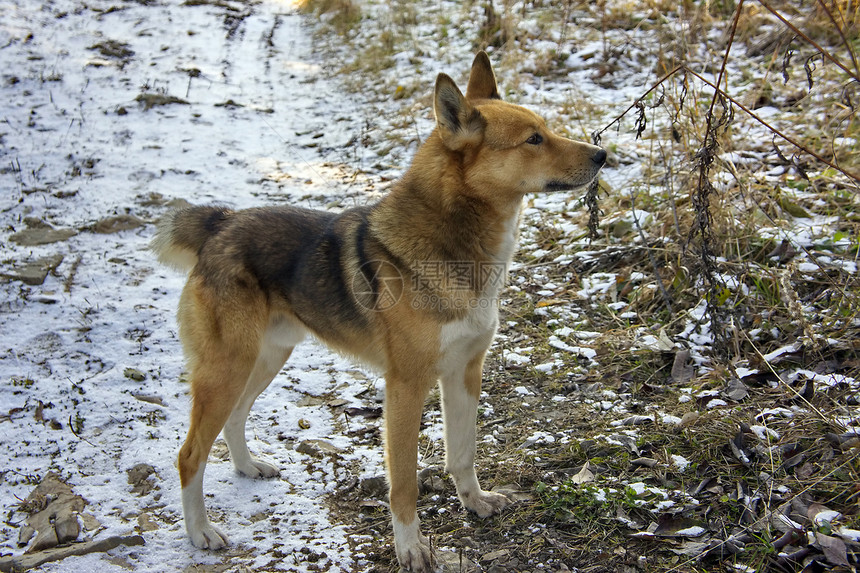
<point x="674" y="71"/>
<point x="841" y="34"/>
<point x="821" y="50"/>
<point x="787" y="138"/>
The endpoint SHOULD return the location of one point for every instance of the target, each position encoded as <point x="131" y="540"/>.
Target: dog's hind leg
<point x="222" y="337"/>
<point x="216" y="387"/>
<point x="461" y="389"/>
<point x="269" y="362"/>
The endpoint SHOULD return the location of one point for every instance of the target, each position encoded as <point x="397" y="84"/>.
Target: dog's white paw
<point x="412" y="549"/>
<point x="417" y="557"/>
<point x="485" y="503"/>
<point x="208" y="537"/>
<point x="258" y="469"/>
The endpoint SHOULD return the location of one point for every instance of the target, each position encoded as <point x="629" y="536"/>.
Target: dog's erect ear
<point x="459" y="123"/>
<point x="482" y="80"/>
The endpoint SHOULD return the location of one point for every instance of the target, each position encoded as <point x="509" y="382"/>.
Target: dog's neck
<point x="408" y="220"/>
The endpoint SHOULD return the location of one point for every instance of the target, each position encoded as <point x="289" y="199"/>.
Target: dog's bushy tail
<point x="181" y="234"/>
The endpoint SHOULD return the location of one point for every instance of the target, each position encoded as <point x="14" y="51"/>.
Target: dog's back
<point x="317" y="266"/>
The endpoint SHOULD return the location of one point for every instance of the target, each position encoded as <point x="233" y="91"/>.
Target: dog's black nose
<point x="599" y="157"/>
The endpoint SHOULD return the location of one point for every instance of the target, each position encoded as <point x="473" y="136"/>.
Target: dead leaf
<point x="737" y="447"/>
<point x="805" y="471"/>
<point x="584" y="476"/>
<point x="634" y="421"/>
<point x="808" y="390"/>
<point x="675" y="526"/>
<point x="626" y="441"/>
<point x="366" y="412"/>
<point x="792" y="461"/>
<point x="821" y="516"/>
<point x="681" y="370"/>
<point x="664" y="343"/>
<point x="834" y="549"/>
<point x="736" y="390"/>
<point x="691" y="548"/>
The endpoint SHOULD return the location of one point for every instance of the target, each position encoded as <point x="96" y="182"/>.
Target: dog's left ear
<point x="458" y="122"/>
<point x="482" y="80"/>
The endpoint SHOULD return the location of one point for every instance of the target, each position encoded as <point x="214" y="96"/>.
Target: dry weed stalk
<point x="718" y="119"/>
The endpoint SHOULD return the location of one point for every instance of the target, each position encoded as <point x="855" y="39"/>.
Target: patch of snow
<point x="743" y="372"/>
<point x="694" y="531"/>
<point x="680" y="462"/>
<point x="826" y="517"/>
<point x="548" y="367"/>
<point x="88" y="150"/>
<point x="764" y="433"/>
<point x="564" y="331"/>
<point x="514" y="359"/>
<point x="598" y="284"/>
<point x="849" y="534"/>
<point x="585" y="352"/>
<point x="539" y="437"/>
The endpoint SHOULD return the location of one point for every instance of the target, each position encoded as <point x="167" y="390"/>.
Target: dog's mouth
<point x="559" y="186"/>
<point x="553" y="186"/>
<point x="597" y="161"/>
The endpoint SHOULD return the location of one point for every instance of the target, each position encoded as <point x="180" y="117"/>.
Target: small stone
<point x="493" y="555"/>
<point x="376" y="487"/>
<point x="316" y="448"/>
<point x="146" y="523"/>
<point x="149" y="399"/>
<point x="689" y="419"/>
<point x="34" y="272"/>
<point x="134" y="374"/>
<point x="116" y="224"/>
<point x="138" y="478"/>
<point x="57" y="521"/>
<point x="40" y="233"/>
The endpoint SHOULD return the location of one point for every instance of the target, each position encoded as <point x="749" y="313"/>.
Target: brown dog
<point x="408" y="285"/>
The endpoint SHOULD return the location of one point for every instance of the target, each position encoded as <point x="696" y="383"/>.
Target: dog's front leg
<point x="460" y="392"/>
<point x="404" y="402"/>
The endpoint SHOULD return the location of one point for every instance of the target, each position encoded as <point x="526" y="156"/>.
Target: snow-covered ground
<point x="112" y="112"/>
<point x="89" y="359"/>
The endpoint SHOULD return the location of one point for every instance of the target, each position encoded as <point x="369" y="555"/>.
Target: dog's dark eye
<point x="535" y="139"/>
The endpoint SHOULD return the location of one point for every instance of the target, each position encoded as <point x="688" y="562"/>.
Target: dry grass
<point x="771" y="246"/>
<point x="341" y="15"/>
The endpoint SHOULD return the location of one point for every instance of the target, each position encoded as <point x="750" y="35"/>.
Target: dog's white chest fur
<point x="461" y="340"/>
<point x="462" y="335"/>
<point x="509" y="242"/>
